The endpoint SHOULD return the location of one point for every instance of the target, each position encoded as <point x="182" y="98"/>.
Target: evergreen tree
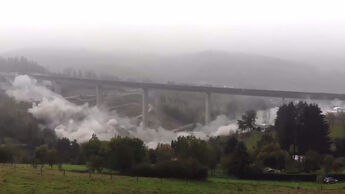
<point x="285" y="125"/>
<point x="313" y="131"/>
<point x="302" y="127"/>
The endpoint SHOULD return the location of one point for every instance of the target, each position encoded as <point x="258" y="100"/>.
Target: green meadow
<point x="26" y="179"/>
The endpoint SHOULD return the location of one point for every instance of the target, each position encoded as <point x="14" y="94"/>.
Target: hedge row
<point x="186" y="169"/>
<point x="288" y="177"/>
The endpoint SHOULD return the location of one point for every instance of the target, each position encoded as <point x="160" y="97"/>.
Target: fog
<point x="307" y="31"/>
<point x="124" y="38"/>
<point x="80" y="122"/>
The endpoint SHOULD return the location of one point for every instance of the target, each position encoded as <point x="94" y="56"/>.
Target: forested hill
<point x="207" y="67"/>
<point x="20" y="64"/>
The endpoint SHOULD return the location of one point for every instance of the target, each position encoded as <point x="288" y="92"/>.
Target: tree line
<point x="298" y="142"/>
<point x="20" y="65"/>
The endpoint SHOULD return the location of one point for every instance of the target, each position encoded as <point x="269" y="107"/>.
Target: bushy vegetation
<point x="6" y="155"/>
<point x="184" y="169"/>
<point x="298" y="143"/>
<point x="20" y="132"/>
<point x="187" y="157"/>
<point x="271" y="155"/>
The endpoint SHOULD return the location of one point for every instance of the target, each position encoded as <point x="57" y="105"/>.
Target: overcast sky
<point x="290" y="29"/>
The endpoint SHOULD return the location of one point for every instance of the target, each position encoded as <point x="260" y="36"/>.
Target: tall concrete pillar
<point x="99" y="96"/>
<point x="208" y="108"/>
<point x="56" y="87"/>
<point x="145" y="96"/>
<point x="283" y="100"/>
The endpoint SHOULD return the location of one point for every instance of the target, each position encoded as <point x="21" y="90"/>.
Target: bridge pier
<point x="208" y="108"/>
<point x="56" y="87"/>
<point x="145" y="96"/>
<point x="99" y="96"/>
<point x="283" y="101"/>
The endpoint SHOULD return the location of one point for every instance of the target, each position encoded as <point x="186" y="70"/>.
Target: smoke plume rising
<point x="81" y="121"/>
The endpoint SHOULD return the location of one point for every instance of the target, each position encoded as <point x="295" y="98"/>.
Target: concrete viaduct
<point x="207" y="90"/>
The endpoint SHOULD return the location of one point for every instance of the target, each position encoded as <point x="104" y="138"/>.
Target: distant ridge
<point x="206" y="67"/>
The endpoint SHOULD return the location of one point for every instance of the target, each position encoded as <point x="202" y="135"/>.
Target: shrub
<point x="238" y="162"/>
<point x="273" y="156"/>
<point x="320" y="178"/>
<point x="184" y="169"/>
<point x="289" y="177"/>
<point x="335" y="167"/>
<point x="327" y="163"/>
<point x="152" y="155"/>
<point x="124" y="153"/>
<point x="164" y="152"/>
<point x="293" y="166"/>
<point x="95" y="163"/>
<point x="312" y="161"/>
<point x="340" y="162"/>
<point x="144" y="169"/>
<point x="5" y="154"/>
<point x="191" y="147"/>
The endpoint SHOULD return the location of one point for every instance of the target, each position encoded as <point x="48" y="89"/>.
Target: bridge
<point x="207" y="90"/>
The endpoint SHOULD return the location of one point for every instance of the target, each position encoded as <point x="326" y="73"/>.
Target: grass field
<point x="81" y="168"/>
<point x="337" y="131"/>
<point x="71" y="167"/>
<point x="25" y="179"/>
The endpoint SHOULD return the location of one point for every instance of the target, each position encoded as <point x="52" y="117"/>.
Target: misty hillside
<point x="208" y="67"/>
<point x="234" y="69"/>
<point x="20" y="64"/>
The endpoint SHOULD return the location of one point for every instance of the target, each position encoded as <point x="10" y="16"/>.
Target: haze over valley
<point x="211" y="96"/>
<point x="220" y="68"/>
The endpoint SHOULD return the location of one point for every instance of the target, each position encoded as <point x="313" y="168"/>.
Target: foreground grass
<point x="71" y="167"/>
<point x="25" y="179"/>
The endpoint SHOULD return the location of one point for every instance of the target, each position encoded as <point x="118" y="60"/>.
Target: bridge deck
<point x="191" y="88"/>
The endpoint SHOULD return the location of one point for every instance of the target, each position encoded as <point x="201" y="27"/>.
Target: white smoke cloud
<point x="326" y="105"/>
<point x="330" y="106"/>
<point x="26" y="89"/>
<point x="81" y="121"/>
<point x="266" y="117"/>
<point x="220" y="126"/>
<point x="67" y="119"/>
